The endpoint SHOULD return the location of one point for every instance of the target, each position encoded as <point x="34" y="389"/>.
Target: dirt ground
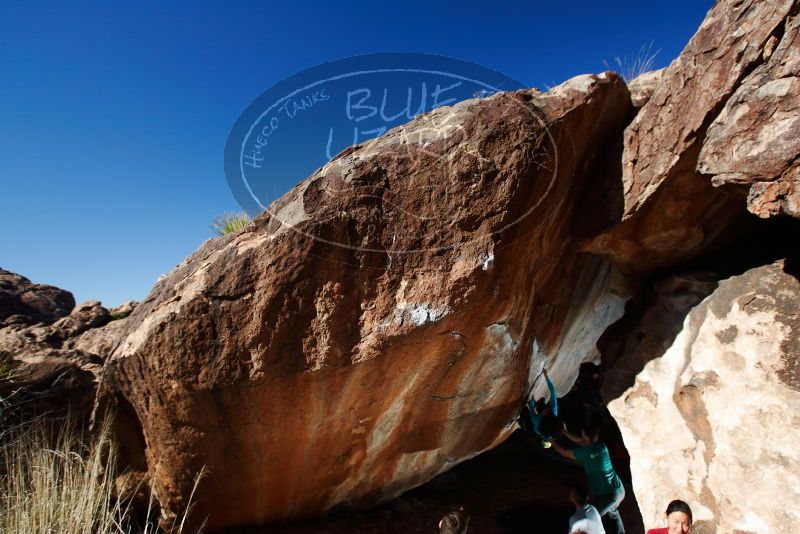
<point x="513" y="488"/>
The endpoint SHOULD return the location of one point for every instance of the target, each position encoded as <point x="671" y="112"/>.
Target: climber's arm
<point x="553" y="395"/>
<point x="566" y="453"/>
<point x="535" y="418"/>
<point x="570" y="436"/>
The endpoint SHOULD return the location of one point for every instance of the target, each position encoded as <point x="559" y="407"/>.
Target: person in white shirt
<point x="586" y="519"/>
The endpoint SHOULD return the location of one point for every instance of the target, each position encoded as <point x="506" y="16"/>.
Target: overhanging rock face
<point x="377" y="324"/>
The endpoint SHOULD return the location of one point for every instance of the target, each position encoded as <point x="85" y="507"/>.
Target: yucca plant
<point x="230" y="222"/>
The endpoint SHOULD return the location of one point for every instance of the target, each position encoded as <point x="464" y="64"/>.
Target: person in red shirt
<point x="679" y="519"/>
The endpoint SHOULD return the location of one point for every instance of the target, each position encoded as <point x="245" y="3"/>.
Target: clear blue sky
<point x="114" y="116"/>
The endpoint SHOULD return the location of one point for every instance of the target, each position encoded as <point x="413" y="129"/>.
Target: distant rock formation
<point x="22" y="302"/>
<point x="54" y="348"/>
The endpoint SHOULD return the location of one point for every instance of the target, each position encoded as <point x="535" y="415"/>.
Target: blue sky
<point x="114" y="117"/>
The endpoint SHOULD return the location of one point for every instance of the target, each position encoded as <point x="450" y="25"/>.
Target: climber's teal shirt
<point x="536" y="418"/>
<point x="595" y="460"/>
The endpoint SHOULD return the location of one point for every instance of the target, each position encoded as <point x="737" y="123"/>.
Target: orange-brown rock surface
<point x="724" y="112"/>
<point x="377" y="325"/>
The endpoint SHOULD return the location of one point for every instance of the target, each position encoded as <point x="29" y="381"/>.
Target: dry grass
<point x="52" y="484"/>
<point x="631" y="68"/>
<point x="55" y="482"/>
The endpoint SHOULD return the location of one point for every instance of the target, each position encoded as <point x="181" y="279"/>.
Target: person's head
<point x="455" y="522"/>
<point x="539" y="405"/>
<point x="591" y="431"/>
<point x="551" y="426"/>
<point x="679" y="517"/>
<point x="578" y="496"/>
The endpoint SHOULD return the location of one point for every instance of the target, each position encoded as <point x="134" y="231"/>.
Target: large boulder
<point x="720" y="126"/>
<point x="711" y="417"/>
<point x="378" y="323"/>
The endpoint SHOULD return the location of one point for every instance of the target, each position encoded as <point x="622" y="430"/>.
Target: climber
<point x="679" y="519"/>
<point x="540" y="410"/>
<point x="586" y="519"/>
<point x="605" y="487"/>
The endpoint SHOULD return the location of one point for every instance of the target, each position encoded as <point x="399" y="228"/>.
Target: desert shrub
<point x="230" y="222"/>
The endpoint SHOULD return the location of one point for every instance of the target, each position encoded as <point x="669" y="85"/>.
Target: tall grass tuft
<point x="230" y="222"/>
<point x="632" y="68"/>
<point x="53" y="481"/>
<point x="54" y="484"/>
